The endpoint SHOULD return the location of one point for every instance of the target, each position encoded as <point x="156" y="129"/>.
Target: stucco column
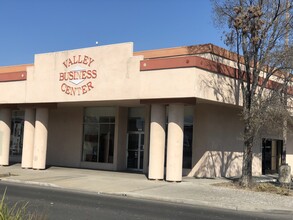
<point x="40" y="138"/>
<point x="157" y="142"/>
<point x="28" y="138"/>
<point x="175" y="142"/>
<point x="5" y="123"/>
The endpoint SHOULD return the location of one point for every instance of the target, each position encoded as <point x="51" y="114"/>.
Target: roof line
<point x="14" y="68"/>
<point x="188" y="50"/>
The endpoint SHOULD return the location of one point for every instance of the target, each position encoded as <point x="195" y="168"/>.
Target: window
<point x="272" y="151"/>
<point x="136" y="119"/>
<point x="16" y="139"/>
<point x="188" y="132"/>
<point x="98" y="134"/>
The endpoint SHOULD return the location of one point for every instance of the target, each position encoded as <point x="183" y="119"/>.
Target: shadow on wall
<point x="224" y="84"/>
<point x="222" y="88"/>
<point x="214" y="164"/>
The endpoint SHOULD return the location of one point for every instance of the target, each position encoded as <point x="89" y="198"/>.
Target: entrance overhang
<point x="189" y="101"/>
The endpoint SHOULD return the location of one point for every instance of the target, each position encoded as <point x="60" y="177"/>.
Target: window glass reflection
<point x="98" y="134"/>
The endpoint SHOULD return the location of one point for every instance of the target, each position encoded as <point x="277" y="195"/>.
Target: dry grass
<point x="260" y="187"/>
<point x="272" y="188"/>
<point x="18" y="211"/>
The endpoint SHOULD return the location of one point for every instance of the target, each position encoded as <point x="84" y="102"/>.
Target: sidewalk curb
<point x="197" y="203"/>
<point x="30" y="183"/>
<point x="184" y="201"/>
<point x="158" y="198"/>
<point x="130" y="195"/>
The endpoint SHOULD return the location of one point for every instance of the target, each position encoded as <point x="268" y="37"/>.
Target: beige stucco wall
<point x="114" y="78"/>
<point x="12" y="92"/>
<point x="65" y="136"/>
<point x="114" y="75"/>
<point x="189" y="82"/>
<point x="289" y="156"/>
<point x="218" y="145"/>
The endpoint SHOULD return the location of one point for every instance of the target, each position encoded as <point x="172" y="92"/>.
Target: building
<point x="167" y="112"/>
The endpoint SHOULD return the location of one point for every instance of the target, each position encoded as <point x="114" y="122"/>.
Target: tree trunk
<point x="246" y="179"/>
<point x="285" y="129"/>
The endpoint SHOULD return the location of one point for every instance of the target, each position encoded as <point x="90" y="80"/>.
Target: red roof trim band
<point x="202" y="63"/>
<point x="14" y="76"/>
<point x="184" y="62"/>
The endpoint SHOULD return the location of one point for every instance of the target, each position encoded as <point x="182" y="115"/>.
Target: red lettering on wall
<point x="75" y="79"/>
<point x="89" y="86"/>
<point x="82" y="59"/>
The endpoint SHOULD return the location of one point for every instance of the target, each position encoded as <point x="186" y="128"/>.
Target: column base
<point x="173" y="181"/>
<point x="26" y="168"/>
<point x="151" y="179"/>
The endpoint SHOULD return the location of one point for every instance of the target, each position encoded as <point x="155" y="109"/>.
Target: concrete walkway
<point x="190" y="191"/>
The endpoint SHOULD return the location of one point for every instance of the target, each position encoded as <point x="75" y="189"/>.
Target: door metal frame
<point x="139" y="133"/>
<point x="276" y="158"/>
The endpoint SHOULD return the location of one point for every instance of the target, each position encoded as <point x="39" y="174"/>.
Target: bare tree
<point x="256" y="31"/>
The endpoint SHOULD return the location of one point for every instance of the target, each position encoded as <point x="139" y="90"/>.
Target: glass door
<point x="16" y="137"/>
<point x="271" y="155"/>
<point x="135" y="150"/>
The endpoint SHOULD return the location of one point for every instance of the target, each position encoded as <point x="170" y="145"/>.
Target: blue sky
<point x="29" y="27"/>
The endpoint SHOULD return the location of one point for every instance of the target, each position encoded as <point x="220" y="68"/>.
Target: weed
<point x="17" y="211"/>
